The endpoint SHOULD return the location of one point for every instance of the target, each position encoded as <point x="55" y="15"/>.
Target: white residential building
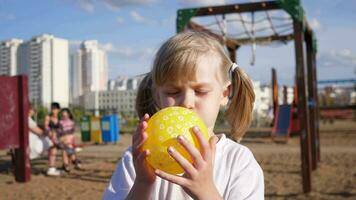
<point x="263" y="99"/>
<point x="9" y="57"/>
<point x="119" y="83"/>
<point x="119" y="101"/>
<point x="45" y="60"/>
<point x="124" y="83"/>
<point x="89" y="70"/>
<point x="285" y="90"/>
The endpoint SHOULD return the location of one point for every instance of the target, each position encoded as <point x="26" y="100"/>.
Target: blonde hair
<point x="176" y="61"/>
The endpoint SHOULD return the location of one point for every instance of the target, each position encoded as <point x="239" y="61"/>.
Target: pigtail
<point x="144" y="100"/>
<point x="239" y="111"/>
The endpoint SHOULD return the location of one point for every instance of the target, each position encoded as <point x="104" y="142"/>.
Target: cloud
<point x="89" y="5"/>
<point x="315" y="24"/>
<point x="86" y="5"/>
<point x="138" y="18"/>
<point x="115" y="4"/>
<point x="120" y="20"/>
<point x="128" y="52"/>
<point x="337" y="58"/>
<point x="202" y="2"/>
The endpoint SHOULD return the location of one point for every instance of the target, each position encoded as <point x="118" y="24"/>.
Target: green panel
<point x="314" y="43"/>
<point x="183" y="17"/>
<point x="294" y="8"/>
<point x="85" y="128"/>
<point x="85" y="136"/>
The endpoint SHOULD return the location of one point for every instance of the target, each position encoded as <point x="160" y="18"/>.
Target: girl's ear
<point x="226" y="94"/>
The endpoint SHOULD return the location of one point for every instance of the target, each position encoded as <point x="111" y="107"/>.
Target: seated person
<point x="67" y="140"/>
<point x="40" y="143"/>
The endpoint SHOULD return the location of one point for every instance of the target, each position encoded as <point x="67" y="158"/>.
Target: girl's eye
<point x="201" y="92"/>
<point x="172" y="92"/>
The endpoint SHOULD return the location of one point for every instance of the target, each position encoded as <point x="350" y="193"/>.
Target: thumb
<point x="212" y="143"/>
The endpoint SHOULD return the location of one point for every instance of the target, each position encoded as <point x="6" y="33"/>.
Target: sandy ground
<point x="335" y="177"/>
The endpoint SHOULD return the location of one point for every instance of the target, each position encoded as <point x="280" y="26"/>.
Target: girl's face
<point x="55" y="111"/>
<point x="204" y="95"/>
<point x="65" y="115"/>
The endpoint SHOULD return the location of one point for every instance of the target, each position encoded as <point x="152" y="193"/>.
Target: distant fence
<point x="338" y="112"/>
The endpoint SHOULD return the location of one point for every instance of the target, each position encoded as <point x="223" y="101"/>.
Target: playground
<point x="334" y="178"/>
<point x="301" y="155"/>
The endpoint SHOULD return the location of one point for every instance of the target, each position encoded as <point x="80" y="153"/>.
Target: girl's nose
<point x="187" y="100"/>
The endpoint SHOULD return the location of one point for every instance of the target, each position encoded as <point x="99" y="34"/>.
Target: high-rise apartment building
<point x="9" y="57"/>
<point x="89" y="70"/>
<point x="44" y="59"/>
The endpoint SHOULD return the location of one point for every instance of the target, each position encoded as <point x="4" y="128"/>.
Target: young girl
<point x="51" y="125"/>
<point x="67" y="139"/>
<point x="192" y="70"/>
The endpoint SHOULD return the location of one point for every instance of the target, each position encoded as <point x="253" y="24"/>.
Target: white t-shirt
<point x="38" y="145"/>
<point x="237" y="175"/>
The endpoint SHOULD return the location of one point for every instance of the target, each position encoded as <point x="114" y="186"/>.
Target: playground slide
<point x="282" y="124"/>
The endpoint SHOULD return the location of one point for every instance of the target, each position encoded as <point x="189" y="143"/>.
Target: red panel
<point x="9" y="113"/>
<point x="14" y="107"/>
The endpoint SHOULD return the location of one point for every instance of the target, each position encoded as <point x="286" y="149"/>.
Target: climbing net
<point x="254" y="28"/>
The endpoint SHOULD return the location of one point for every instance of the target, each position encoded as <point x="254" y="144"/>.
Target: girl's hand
<point x="197" y="180"/>
<point x="144" y="172"/>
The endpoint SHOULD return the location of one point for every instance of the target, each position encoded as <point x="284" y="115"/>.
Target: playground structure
<point x="304" y="39"/>
<point x="14" y="130"/>
<point x="285" y="119"/>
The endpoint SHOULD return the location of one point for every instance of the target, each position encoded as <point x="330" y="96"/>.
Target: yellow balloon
<point x="163" y="129"/>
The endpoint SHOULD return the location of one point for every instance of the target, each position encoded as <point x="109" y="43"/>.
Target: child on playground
<point x="39" y="143"/>
<point x="67" y="139"/>
<point x="192" y="70"/>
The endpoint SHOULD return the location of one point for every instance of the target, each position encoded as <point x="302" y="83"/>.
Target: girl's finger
<point x="204" y="145"/>
<point x="141" y="157"/>
<point x="136" y="136"/>
<point x="193" y="152"/>
<point x="141" y="135"/>
<point x="171" y="178"/>
<point x="184" y="163"/>
<point x="212" y="142"/>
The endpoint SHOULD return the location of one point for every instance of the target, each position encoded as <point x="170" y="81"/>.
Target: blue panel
<point x="110" y="128"/>
<point x="284" y="113"/>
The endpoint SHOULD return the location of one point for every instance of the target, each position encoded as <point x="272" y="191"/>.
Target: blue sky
<point x="132" y="30"/>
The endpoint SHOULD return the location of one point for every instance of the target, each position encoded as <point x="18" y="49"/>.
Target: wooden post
<point x="312" y="100"/>
<point x="22" y="161"/>
<point x="302" y="107"/>
<point x="315" y="91"/>
<point x="274" y="94"/>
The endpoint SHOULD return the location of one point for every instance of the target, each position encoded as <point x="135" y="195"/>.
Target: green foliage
<point x="78" y="112"/>
<point x="41" y="114"/>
